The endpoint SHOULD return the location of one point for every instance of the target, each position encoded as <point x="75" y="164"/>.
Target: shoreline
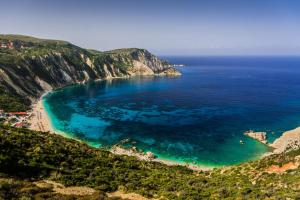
<point x="289" y="140"/>
<point x="151" y="158"/>
<point x="40" y="121"/>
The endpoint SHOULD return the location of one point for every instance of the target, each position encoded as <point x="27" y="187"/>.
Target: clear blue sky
<point x="165" y="27"/>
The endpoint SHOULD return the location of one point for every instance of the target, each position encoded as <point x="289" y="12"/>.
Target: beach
<point x="39" y="120"/>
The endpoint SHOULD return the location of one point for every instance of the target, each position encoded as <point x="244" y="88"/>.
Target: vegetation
<point x="126" y="51"/>
<point x="12" y="188"/>
<point x="11" y="103"/>
<point x="29" y="39"/>
<point x="29" y="155"/>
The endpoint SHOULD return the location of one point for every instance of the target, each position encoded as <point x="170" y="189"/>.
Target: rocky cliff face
<point x="31" y="66"/>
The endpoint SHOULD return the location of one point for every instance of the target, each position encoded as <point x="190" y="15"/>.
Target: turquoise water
<point x="198" y="118"/>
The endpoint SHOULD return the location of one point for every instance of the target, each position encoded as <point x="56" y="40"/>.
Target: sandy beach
<point x="39" y="120"/>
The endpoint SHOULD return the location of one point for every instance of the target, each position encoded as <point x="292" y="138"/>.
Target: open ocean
<point x="199" y="117"/>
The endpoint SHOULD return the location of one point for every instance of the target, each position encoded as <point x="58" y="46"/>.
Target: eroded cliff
<point x="31" y="66"/>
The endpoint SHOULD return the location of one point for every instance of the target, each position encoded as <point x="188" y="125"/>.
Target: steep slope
<point x="31" y="66"/>
<point x="31" y="156"/>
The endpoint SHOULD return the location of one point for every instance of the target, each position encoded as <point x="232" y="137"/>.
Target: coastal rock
<point x="290" y="140"/>
<point x="259" y="136"/>
<point x="150" y="155"/>
<point x="133" y="152"/>
<point x="170" y="72"/>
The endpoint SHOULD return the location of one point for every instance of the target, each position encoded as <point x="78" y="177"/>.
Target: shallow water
<point x="199" y="117"/>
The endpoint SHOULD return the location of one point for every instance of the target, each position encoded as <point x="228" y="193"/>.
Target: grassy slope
<point x="11" y="103"/>
<point x="27" y="154"/>
<point x="29" y="39"/>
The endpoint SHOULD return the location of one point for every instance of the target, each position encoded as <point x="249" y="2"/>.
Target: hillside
<point x="30" y="66"/>
<point x="40" y="165"/>
<point x="27" y="157"/>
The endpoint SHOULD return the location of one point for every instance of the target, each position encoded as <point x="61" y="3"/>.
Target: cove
<point x="199" y="117"/>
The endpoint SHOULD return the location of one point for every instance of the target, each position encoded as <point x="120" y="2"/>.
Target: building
<point x="3" y="45"/>
<point x="18" y="114"/>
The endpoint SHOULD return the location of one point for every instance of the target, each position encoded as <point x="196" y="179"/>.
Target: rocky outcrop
<point x="288" y="141"/>
<point x="259" y="136"/>
<point x="31" y="66"/>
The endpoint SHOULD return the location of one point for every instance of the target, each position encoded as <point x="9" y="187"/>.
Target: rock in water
<point x="259" y="136"/>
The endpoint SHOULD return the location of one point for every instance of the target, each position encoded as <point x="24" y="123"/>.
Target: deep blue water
<point x="198" y="117"/>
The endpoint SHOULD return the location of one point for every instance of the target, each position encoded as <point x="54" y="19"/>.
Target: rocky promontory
<point x="259" y="136"/>
<point x="31" y="66"/>
<point x="290" y="140"/>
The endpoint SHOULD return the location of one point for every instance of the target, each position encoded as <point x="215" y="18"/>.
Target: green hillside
<point x="12" y="103"/>
<point x="30" y="66"/>
<point x="28" y="156"/>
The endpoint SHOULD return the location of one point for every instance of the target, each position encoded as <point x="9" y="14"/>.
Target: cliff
<point x="31" y="66"/>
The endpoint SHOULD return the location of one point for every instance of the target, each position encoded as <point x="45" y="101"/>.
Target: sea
<point x="198" y="118"/>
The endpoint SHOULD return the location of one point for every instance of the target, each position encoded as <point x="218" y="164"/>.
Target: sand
<point x="39" y="120"/>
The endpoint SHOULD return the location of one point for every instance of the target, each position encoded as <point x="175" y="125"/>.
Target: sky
<point x="165" y="27"/>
